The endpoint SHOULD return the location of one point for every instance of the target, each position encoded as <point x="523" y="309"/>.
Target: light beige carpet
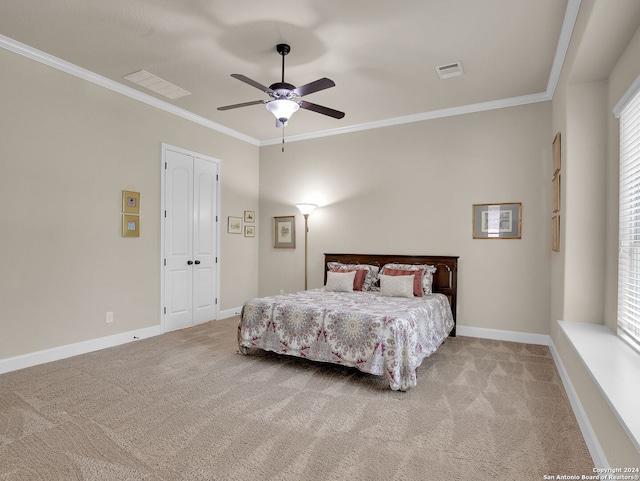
<point x="187" y="406"/>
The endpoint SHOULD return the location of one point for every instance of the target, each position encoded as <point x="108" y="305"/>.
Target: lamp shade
<point x="306" y="209"/>
<point x="282" y="109"/>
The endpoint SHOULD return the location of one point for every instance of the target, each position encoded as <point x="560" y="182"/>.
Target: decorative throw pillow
<point x="371" y="276"/>
<point x="340" y="281"/>
<point x="396" y="286"/>
<point x="427" y="276"/>
<point x="417" y="278"/>
<point x="358" y="280"/>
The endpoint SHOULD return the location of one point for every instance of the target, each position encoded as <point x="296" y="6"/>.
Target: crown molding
<point x="569" y="22"/>
<point x="84" y="74"/>
<point x="407" y="119"/>
<point x="571" y="15"/>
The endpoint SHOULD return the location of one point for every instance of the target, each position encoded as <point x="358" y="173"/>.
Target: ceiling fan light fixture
<point x="282" y="109"/>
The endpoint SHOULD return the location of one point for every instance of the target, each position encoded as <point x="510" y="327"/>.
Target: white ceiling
<point x="381" y="54"/>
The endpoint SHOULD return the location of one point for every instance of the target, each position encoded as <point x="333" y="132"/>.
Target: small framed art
<point x="249" y="216"/>
<point x="130" y="202"/>
<point x="284" y="232"/>
<point x="497" y="221"/>
<point x="234" y="225"/>
<point x="130" y="225"/>
<point x="249" y="230"/>
<point x="555" y="233"/>
<point x="557" y="160"/>
<point x="556" y="193"/>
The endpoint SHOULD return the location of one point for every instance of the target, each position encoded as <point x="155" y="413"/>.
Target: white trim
<point x="64" y="66"/>
<point x="624" y="100"/>
<point x="500" y="335"/>
<point x="568" y="24"/>
<point x="69" y="350"/>
<point x="590" y="438"/>
<point x="163" y="176"/>
<point x="230" y="313"/>
<point x="407" y="119"/>
<point x="614" y="367"/>
<point x="597" y="454"/>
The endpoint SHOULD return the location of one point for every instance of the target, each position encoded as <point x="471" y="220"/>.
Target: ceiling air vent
<point x="156" y="84"/>
<point x="450" y="70"/>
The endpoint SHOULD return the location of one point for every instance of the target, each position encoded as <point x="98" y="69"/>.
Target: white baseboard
<point x="597" y="454"/>
<point x="499" y="335"/>
<point x="62" y="352"/>
<point x="69" y="350"/>
<point x="230" y="312"/>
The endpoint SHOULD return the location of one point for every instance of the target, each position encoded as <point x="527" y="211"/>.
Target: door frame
<point x="163" y="174"/>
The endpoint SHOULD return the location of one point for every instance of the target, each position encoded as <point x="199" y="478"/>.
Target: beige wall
<point x="68" y="149"/>
<point x="409" y="189"/>
<point x="584" y="202"/>
<point x="599" y="68"/>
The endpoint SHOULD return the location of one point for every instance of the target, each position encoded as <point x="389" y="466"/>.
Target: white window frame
<point x="628" y="110"/>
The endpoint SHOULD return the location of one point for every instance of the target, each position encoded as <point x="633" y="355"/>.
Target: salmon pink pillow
<point x="358" y="280"/>
<point x="417" y="278"/>
<point x="371" y="273"/>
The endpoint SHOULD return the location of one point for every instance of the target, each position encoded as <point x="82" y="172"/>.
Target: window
<point x="629" y="223"/>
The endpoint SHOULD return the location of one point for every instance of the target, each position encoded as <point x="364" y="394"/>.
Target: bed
<point x="404" y="311"/>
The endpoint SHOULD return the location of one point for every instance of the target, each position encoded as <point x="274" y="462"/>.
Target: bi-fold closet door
<point x="190" y="239"/>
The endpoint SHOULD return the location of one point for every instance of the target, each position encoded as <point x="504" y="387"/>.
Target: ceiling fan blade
<point x="311" y="87"/>
<point x="244" y="104"/>
<point x="321" y="110"/>
<point x="251" y="82"/>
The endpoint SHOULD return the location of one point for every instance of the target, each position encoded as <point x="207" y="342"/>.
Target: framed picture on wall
<point x="557" y="160"/>
<point x="130" y="225"/>
<point x="234" y="225"/>
<point x="555" y="233"/>
<point x="130" y="202"/>
<point x="497" y="221"/>
<point x="556" y="193"/>
<point x="249" y="216"/>
<point x="284" y="232"/>
<point x="249" y="230"/>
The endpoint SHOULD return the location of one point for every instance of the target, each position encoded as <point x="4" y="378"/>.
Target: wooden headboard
<point x="445" y="279"/>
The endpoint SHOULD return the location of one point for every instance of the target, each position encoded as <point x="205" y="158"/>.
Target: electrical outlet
<point x="281" y="291"/>
<point x="109" y="317"/>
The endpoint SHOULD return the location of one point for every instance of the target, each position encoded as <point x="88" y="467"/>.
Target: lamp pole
<point x="306" y="231"/>
<point x="306" y="209"/>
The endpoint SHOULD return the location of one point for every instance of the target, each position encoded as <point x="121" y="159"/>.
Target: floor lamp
<point x="306" y="209"/>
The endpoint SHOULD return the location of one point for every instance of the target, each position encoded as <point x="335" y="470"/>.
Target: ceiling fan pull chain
<point x="283" y="138"/>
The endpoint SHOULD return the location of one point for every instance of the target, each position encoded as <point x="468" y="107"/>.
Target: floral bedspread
<point x="388" y="336"/>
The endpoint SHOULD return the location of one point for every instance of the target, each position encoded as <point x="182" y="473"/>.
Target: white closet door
<point x="204" y="240"/>
<point x="190" y="240"/>
<point x="178" y="280"/>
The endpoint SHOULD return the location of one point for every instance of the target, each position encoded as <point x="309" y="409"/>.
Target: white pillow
<point x="340" y="281"/>
<point x="396" y="286"/>
<point x="427" y="275"/>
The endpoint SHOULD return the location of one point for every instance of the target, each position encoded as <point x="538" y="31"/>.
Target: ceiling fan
<point x="286" y="98"/>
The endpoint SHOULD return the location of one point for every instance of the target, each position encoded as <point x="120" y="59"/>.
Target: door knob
<point x="189" y="263"/>
<point x="197" y="262"/>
